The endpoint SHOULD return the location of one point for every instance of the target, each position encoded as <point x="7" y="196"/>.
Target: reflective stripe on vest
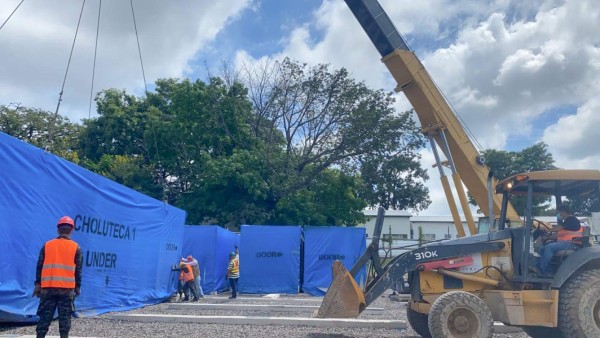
<point x="568" y="235"/>
<point x="188" y="276"/>
<point x="234" y="268"/>
<point x="58" y="270"/>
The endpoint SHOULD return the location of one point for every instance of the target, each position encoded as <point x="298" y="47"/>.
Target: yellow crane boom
<point x="438" y="121"/>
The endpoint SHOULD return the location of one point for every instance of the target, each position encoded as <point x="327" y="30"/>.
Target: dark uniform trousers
<point x="50" y="300"/>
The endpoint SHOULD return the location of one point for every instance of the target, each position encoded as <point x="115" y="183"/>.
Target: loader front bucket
<point x="344" y="298"/>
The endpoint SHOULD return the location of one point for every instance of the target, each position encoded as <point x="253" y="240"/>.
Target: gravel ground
<point x="102" y="326"/>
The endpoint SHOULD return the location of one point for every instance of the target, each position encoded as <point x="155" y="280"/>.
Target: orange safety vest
<point x="188" y="276"/>
<point x="58" y="270"/>
<point x="568" y="235"/>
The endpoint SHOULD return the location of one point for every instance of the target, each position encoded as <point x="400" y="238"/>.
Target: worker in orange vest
<point x="188" y="280"/>
<point x="58" y="279"/>
<point x="180" y="285"/>
<point x="567" y="229"/>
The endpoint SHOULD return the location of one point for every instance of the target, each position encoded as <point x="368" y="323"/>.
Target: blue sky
<point x="260" y="30"/>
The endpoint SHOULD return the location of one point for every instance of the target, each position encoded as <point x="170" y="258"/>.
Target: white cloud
<point x="507" y="64"/>
<point x="37" y="40"/>
<point x="574" y="138"/>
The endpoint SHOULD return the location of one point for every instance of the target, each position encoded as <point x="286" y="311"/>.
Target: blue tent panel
<point x="227" y="241"/>
<point x="270" y="259"/>
<point x="129" y="241"/>
<point x="323" y="245"/>
<point x="210" y="245"/>
<point x="200" y="242"/>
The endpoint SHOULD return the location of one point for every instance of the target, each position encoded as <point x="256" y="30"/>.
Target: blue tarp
<point x="323" y="245"/>
<point x="129" y="241"/>
<point x="270" y="259"/>
<point x="210" y="245"/>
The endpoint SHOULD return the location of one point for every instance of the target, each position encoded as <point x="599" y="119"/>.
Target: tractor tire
<point x="542" y="332"/>
<point x="459" y="314"/>
<point x="418" y="322"/>
<point x="579" y="305"/>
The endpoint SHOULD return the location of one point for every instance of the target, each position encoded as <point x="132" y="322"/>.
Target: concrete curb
<point x="246" y="320"/>
<point x="258" y="307"/>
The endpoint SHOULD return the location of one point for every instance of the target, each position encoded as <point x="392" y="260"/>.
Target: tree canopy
<point x="282" y="143"/>
<point x="507" y="163"/>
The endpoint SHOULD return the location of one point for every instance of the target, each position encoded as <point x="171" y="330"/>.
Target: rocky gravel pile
<point x="103" y="326"/>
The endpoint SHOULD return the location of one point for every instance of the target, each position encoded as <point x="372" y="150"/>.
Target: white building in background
<point x="436" y="227"/>
<point x="403" y="228"/>
<point x="396" y="220"/>
<point x="402" y="225"/>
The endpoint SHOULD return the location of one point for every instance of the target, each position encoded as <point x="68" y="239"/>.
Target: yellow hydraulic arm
<point x="438" y="121"/>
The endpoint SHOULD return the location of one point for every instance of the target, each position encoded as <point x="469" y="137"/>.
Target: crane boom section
<point x="432" y="109"/>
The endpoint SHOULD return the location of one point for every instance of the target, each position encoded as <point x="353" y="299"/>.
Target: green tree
<point x="584" y="205"/>
<point x="231" y="191"/>
<point x="332" y="199"/>
<point x="291" y="143"/>
<point x="32" y="125"/>
<point x="323" y="118"/>
<point x="130" y="171"/>
<point x="507" y="163"/>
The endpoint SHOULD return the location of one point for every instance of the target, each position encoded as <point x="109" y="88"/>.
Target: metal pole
<point x="491" y="201"/>
<point x="528" y="217"/>
<point x="447" y="191"/>
<point x="460" y="191"/>
<point x="502" y="223"/>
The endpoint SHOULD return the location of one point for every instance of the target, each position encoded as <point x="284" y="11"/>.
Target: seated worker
<point x="568" y="227"/>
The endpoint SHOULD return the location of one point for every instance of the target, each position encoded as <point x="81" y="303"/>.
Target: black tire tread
<point x="569" y="299"/>
<point x="463" y="298"/>
<point x="418" y="322"/>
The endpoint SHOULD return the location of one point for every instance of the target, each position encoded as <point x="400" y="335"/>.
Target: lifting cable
<point x="94" y="65"/>
<point x="87" y="142"/>
<point x="468" y="131"/>
<point x="137" y="38"/>
<point x="53" y="122"/>
<point x="138" y="45"/>
<point x="11" y="14"/>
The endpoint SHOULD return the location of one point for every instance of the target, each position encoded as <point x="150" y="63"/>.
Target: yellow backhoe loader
<point x="459" y="287"/>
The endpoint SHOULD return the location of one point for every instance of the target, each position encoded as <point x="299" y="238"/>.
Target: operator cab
<point x="565" y="186"/>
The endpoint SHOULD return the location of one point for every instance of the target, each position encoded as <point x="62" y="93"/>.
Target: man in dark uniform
<point x="58" y="279"/>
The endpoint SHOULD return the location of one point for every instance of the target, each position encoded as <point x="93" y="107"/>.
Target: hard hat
<point x="65" y="220"/>
<point x="232" y="254"/>
<point x="189" y="258"/>
<point x="182" y="264"/>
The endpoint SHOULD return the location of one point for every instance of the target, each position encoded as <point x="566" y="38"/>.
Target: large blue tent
<point x="129" y="241"/>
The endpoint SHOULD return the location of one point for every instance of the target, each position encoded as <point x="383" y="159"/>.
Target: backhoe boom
<point x="438" y="121"/>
